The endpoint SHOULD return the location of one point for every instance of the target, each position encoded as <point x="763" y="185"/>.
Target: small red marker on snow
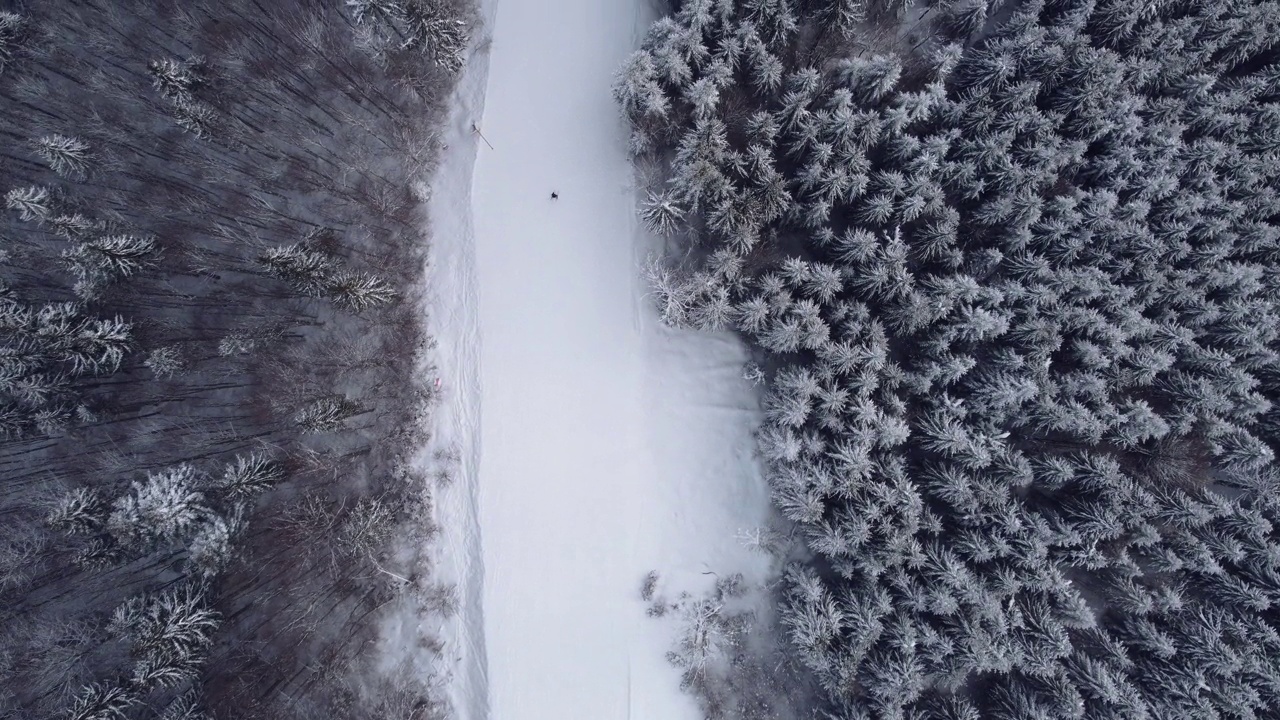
<point x="437" y="383"/>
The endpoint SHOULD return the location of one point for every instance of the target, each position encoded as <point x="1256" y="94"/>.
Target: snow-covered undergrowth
<point x="455" y="640"/>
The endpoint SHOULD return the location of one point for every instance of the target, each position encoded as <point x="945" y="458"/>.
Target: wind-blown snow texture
<point x="596" y="444"/>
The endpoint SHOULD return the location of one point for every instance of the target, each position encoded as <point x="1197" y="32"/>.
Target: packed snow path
<point x="597" y="445"/>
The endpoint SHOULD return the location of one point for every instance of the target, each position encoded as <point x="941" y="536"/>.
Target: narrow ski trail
<point x="596" y="444"/>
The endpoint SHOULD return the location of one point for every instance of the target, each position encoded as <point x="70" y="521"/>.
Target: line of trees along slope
<point x="1014" y="267"/>
<point x="209" y="241"/>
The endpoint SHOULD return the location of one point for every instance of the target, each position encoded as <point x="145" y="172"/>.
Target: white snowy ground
<point x="596" y="444"/>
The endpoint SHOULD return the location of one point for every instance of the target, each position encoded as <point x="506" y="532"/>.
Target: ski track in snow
<point x="609" y="445"/>
<point x="451" y="308"/>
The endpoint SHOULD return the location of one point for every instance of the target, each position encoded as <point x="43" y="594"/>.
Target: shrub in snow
<point x="364" y="530"/>
<point x="165" y="362"/>
<point x="649" y="585"/>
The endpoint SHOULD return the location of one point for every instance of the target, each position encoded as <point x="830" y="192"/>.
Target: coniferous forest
<point x="1011" y="269"/>
<point x="208" y="327"/>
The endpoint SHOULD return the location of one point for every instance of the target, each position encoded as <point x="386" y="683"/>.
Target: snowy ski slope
<point x="597" y="445"/>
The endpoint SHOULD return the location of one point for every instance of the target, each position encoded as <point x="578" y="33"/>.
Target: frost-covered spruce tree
<point x="166" y="362"/>
<point x="102" y="260"/>
<point x="662" y="214"/>
<point x="95" y="346"/>
<point x="435" y="29"/>
<point x="195" y="117"/>
<point x="639" y="91"/>
<point x="47" y="346"/>
<point x="177" y="80"/>
<point x="68" y="156"/>
<point x="375" y="10"/>
<point x="211" y="545"/>
<point x="310" y="271"/>
<point x="76" y="226"/>
<point x="676" y="297"/>
<point x="843" y="16"/>
<point x="165" y="507"/>
<point x="359" y="291"/>
<point x="327" y="414"/>
<point x="432" y="27"/>
<point x="102" y="702"/>
<point x="31" y="203"/>
<point x="187" y="706"/>
<point x="249" y="476"/>
<point x="168" y="632"/>
<point x="81" y="510"/>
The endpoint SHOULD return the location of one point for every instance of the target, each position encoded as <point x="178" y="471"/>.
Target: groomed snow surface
<point x="595" y="443"/>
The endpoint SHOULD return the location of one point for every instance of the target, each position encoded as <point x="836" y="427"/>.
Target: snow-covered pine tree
<point x="75" y="226"/>
<point x="165" y="507"/>
<point x="766" y="69"/>
<point x="962" y="20"/>
<point x="714" y="310"/>
<point x="638" y="90"/>
<point x="434" y="28"/>
<point x="102" y="702"/>
<point x="676" y="297"/>
<point x="843" y="16"/>
<point x="872" y="79"/>
<point x="210" y="546"/>
<point x="359" y="291"/>
<point x="662" y="214"/>
<point x="169" y="633"/>
<point x="177" y="80"/>
<point x="195" y="117"/>
<point x="67" y="156"/>
<point x="31" y="203"/>
<point x="102" y="260"/>
<point x="327" y="414"/>
<point x="776" y="20"/>
<point x="309" y="271"/>
<point x="79" y="511"/>
<point x="375" y="10"/>
<point x="13" y="31"/>
<point x="166" y="362"/>
<point x="98" y="345"/>
<point x="250" y="475"/>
